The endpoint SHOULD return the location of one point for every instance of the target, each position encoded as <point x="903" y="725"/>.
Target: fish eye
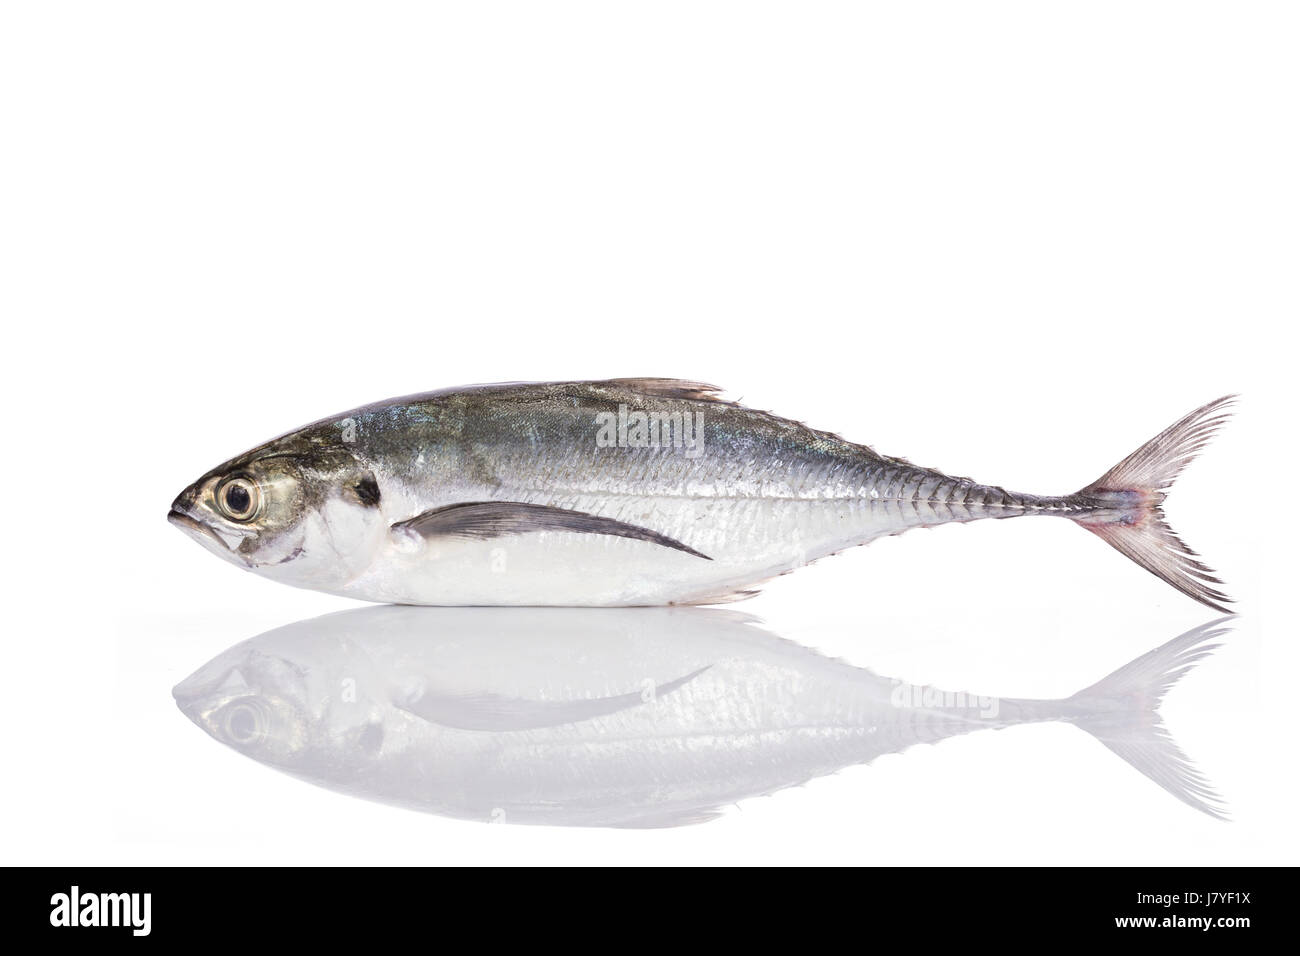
<point x="242" y="724"/>
<point x="239" y="499"/>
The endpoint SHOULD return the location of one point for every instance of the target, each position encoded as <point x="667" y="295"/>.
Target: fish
<point x="627" y="492"/>
<point x="618" y="717"/>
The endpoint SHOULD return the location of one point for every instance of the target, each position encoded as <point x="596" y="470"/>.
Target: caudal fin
<point x="1120" y="711"/>
<point x="1122" y="507"/>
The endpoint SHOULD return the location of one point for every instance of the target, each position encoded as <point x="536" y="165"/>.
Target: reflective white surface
<point x="1033" y="792"/>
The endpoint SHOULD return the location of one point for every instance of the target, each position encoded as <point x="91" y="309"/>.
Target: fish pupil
<point x="243" y="726"/>
<point x="238" y="499"/>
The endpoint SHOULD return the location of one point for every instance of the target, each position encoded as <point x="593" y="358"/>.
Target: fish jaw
<point x="208" y="537"/>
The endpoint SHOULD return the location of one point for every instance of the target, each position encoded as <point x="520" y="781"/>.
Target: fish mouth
<point x="193" y="526"/>
<point x="187" y="701"/>
<point x="205" y="535"/>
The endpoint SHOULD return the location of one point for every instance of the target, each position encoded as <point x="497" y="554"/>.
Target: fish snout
<point x="188" y="691"/>
<point x="181" y="512"/>
<point x="214" y="682"/>
<point x="186" y="503"/>
<point x="194" y="693"/>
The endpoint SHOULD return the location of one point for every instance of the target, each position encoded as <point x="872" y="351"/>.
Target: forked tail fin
<point x="1122" y="507"/>
<point x="1120" y="711"/>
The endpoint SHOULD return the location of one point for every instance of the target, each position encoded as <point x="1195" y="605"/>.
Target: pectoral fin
<point x="492" y="519"/>
<point x="495" y="713"/>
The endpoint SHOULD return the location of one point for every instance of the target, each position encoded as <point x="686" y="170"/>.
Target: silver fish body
<point x="613" y="717"/>
<point x="624" y="492"/>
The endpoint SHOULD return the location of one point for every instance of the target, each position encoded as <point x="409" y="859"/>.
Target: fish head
<point x="252" y="702"/>
<point x="304" y="713"/>
<point x="302" y="509"/>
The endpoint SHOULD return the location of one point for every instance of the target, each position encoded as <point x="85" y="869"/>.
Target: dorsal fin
<point x="670" y="388"/>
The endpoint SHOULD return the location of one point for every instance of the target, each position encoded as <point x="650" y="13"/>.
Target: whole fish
<point x="615" y="493"/>
<point x="629" y="717"/>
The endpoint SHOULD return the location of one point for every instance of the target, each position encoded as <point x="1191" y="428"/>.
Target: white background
<point x="1010" y="240"/>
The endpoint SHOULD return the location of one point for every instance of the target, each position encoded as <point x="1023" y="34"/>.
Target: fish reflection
<point x="623" y="717"/>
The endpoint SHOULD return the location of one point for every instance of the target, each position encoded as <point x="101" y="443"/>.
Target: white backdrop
<point x="1010" y="240"/>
